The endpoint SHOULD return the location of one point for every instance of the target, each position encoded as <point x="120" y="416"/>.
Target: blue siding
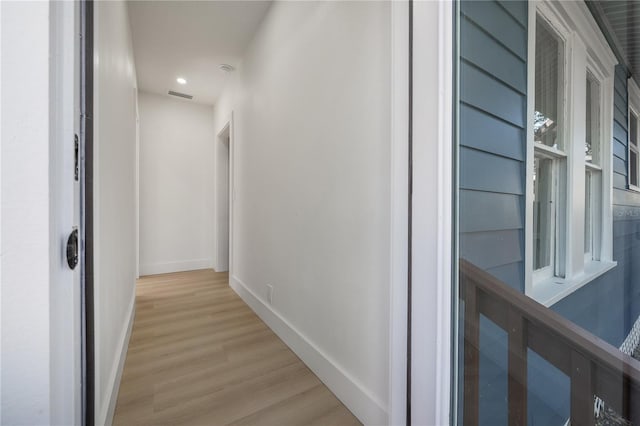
<point x="495" y="19"/>
<point x="486" y="171"/>
<point x="493" y="90"/>
<point x="483" y="52"/>
<point x="548" y="393"/>
<point x="492" y="123"/>
<point x="506" y="247"/>
<point x="480" y="89"/>
<point x="517" y="9"/>
<point x="620" y="135"/>
<point x="507" y="208"/>
<point x="497" y="136"/>
<point x="494" y="354"/>
<point x="591" y="306"/>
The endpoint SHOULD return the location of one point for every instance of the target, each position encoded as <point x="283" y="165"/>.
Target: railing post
<point x="471" y="353"/>
<point x="594" y="367"/>
<point x="581" y="390"/>
<point x="517" y="369"/>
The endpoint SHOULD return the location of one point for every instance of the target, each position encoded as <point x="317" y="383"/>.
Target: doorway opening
<point x="223" y="198"/>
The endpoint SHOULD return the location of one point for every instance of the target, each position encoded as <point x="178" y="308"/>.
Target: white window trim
<point x="585" y="48"/>
<point x="588" y="255"/>
<point x="634" y="107"/>
<point x="599" y="235"/>
<point x="595" y="251"/>
<point x="637" y="151"/>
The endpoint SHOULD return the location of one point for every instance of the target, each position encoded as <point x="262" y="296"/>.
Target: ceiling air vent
<point x="180" y="95"/>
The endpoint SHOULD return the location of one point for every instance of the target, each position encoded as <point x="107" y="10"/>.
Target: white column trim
<point x="431" y="271"/>
<point x="399" y="213"/>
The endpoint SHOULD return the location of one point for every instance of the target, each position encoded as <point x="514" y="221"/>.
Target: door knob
<point x="72" y="249"/>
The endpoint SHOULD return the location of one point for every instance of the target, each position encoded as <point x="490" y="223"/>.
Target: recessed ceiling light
<point x="181" y="80"/>
<point x="227" y="68"/>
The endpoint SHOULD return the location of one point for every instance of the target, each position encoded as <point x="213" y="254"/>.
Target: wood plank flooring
<point x="199" y="356"/>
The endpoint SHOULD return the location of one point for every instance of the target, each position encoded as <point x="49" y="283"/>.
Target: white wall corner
<point x="366" y="407"/>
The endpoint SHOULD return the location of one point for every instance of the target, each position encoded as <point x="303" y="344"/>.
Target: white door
<point x="65" y="174"/>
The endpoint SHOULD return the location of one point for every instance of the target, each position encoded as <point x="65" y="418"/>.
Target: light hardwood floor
<point x="199" y="356"/>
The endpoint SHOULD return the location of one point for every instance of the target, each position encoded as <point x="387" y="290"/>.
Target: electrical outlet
<point x="270" y="293"/>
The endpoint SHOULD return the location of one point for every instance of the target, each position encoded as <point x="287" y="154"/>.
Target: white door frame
<point x="230" y="189"/>
<point x="232" y="192"/>
<point x="137" y="183"/>
<point x="429" y="151"/>
<point x="432" y="214"/>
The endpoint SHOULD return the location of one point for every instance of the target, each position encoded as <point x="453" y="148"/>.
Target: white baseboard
<point x="167" y="267"/>
<point x="353" y="395"/>
<point x="111" y="397"/>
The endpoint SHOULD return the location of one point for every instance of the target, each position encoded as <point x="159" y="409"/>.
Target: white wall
<point x="176" y="184"/>
<point x="312" y="179"/>
<point x="25" y="256"/>
<point x="114" y="198"/>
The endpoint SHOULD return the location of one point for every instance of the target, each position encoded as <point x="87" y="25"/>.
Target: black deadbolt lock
<point x="72" y="249"/>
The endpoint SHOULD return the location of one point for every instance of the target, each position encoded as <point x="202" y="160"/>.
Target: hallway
<point x="199" y="355"/>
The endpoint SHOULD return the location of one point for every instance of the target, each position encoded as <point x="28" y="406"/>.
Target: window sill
<point x="552" y="290"/>
<point x="633" y="188"/>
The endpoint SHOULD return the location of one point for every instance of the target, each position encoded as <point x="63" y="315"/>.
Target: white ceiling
<point x="191" y="39"/>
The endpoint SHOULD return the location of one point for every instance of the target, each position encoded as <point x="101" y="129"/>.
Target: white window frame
<point x="631" y="147"/>
<point x="534" y="149"/>
<point x="594" y="252"/>
<point x="634" y="108"/>
<point x="595" y="170"/>
<point x="557" y="182"/>
<point x="585" y="50"/>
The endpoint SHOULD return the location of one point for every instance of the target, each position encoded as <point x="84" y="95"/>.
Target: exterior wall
<point x="608" y="306"/>
<point x="176" y="184"/>
<point x="493" y="103"/>
<point x="620" y="135"/>
<point x="492" y="181"/>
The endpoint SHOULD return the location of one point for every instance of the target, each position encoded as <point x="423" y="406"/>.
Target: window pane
<point x="548" y="87"/>
<point x="524" y="286"/>
<point x="543" y="210"/>
<point x="592" y="134"/>
<point x="633" y="167"/>
<point x="587" y="213"/>
<point x="633" y="129"/>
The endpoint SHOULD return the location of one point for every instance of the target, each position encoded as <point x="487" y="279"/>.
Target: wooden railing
<point x="593" y="366"/>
